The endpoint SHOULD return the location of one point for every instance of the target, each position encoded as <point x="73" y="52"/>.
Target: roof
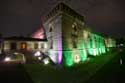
<point x="24" y="39"/>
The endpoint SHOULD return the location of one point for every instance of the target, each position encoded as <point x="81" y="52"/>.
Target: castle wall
<point x="73" y="42"/>
<point x="69" y="39"/>
<point x="54" y="37"/>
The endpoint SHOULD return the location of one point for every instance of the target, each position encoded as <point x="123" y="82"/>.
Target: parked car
<point x="17" y="58"/>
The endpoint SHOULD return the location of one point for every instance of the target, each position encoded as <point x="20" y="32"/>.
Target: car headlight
<point x="7" y="59"/>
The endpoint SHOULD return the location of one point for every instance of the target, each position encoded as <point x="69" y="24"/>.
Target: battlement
<point x="60" y="9"/>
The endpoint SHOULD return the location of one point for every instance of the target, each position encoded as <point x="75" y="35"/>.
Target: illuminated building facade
<point x="70" y="41"/>
<point x="23" y="43"/>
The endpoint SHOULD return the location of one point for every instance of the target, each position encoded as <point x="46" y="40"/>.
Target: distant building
<point x="24" y="43"/>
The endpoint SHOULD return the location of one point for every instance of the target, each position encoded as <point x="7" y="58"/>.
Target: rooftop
<point x="23" y="38"/>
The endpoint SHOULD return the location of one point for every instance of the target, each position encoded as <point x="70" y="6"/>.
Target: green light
<point x="96" y="45"/>
<point x="100" y="50"/>
<point x="93" y="45"/>
<point x="76" y="58"/>
<point x="68" y="58"/>
<point x="83" y="54"/>
<point x="90" y="51"/>
<point x="83" y="51"/>
<point x="107" y="49"/>
<point x="95" y="51"/>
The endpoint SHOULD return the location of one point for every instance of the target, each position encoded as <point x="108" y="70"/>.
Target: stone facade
<point x="64" y="29"/>
<point x="70" y="40"/>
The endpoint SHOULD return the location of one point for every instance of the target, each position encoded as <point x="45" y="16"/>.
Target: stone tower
<point x="64" y="30"/>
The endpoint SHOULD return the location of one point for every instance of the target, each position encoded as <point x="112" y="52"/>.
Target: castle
<point x="70" y="40"/>
<point x="67" y="38"/>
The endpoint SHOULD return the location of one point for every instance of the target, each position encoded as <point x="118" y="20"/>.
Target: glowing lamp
<point x="39" y="58"/>
<point x="46" y="61"/>
<point x="77" y="58"/>
<point x="7" y="59"/>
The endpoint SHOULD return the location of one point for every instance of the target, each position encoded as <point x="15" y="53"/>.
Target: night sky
<point x="22" y="17"/>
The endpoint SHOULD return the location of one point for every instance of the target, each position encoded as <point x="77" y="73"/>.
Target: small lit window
<point x="45" y="45"/>
<point x="23" y="45"/>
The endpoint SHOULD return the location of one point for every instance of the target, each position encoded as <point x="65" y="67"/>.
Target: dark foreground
<point x="103" y="69"/>
<point x="109" y="68"/>
<point x="13" y="73"/>
<point x="112" y="72"/>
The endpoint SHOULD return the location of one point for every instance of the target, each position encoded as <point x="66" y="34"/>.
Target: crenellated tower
<point x="64" y="29"/>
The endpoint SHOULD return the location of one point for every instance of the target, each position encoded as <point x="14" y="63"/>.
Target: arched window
<point x="51" y="36"/>
<point x="50" y="29"/>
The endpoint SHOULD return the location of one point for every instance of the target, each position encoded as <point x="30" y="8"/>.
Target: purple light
<point x="59" y="50"/>
<point x="40" y="33"/>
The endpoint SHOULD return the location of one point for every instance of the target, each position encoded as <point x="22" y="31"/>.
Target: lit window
<point x="45" y="45"/>
<point x="23" y="45"/>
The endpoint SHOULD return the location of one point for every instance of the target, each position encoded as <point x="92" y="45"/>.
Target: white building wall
<point x="55" y="37"/>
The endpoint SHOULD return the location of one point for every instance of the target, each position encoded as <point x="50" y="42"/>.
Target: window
<point x="36" y="46"/>
<point x="74" y="35"/>
<point x="23" y="45"/>
<point x="42" y="45"/>
<point x="50" y="30"/>
<point x="13" y="46"/>
<point x="51" y="36"/>
<point x="51" y="43"/>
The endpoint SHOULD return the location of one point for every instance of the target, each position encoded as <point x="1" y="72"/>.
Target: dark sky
<point x="22" y="17"/>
